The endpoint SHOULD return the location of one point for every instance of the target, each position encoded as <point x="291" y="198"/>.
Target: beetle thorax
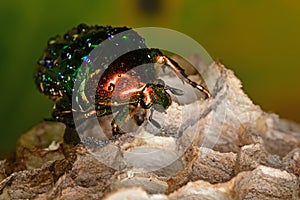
<point x="121" y="87"/>
<point x="156" y="96"/>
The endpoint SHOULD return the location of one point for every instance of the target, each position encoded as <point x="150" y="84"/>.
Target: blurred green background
<point x="258" y="39"/>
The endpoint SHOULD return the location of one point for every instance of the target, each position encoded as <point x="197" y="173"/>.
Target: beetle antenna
<point x="175" y="91"/>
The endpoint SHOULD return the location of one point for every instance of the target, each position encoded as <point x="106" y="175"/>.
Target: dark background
<point x="258" y="39"/>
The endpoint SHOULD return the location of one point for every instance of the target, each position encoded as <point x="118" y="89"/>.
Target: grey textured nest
<point x="231" y="149"/>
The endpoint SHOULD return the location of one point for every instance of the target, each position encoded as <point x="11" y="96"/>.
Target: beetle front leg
<point x="115" y="128"/>
<point x="161" y="59"/>
<point x="119" y="122"/>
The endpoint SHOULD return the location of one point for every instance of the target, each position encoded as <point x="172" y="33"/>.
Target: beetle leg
<point x="153" y="121"/>
<point x="62" y="112"/>
<point x="123" y="115"/>
<point x="115" y="128"/>
<point x="180" y="73"/>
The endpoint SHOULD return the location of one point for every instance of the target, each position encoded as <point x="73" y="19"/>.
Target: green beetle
<point x="113" y="85"/>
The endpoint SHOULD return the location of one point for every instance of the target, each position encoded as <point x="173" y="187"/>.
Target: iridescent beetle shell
<point x="131" y="87"/>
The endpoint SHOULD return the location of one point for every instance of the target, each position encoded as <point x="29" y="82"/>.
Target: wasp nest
<point x="227" y="148"/>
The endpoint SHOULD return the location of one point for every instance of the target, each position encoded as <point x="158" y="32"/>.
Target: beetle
<point x="123" y="88"/>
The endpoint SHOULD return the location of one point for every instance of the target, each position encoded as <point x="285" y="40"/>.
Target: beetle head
<point x="155" y="94"/>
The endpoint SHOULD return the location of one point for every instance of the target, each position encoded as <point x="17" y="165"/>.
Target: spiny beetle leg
<point x="161" y="59"/>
